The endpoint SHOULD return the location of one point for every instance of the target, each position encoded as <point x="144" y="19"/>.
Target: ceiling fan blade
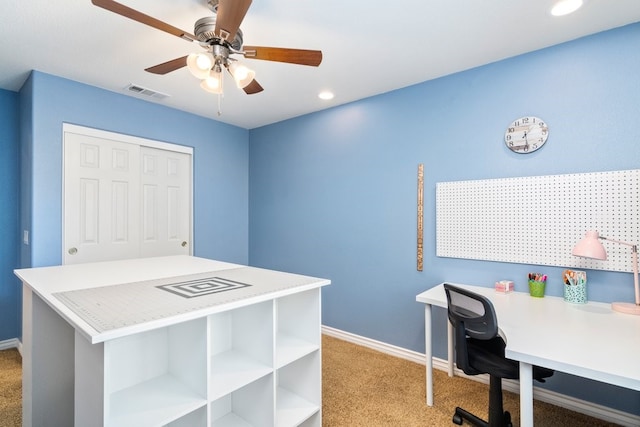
<point x="169" y="66"/>
<point x="253" y="87"/>
<point x="279" y="54"/>
<point x="127" y="12"/>
<point x="229" y="17"/>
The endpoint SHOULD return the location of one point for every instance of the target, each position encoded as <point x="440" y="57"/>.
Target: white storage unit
<point x="244" y="357"/>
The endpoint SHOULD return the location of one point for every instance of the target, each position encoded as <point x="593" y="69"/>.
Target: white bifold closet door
<point x="165" y="201"/>
<point x="124" y="200"/>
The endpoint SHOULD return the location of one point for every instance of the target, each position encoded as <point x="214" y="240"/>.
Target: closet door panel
<point x="166" y="211"/>
<point x="101" y="193"/>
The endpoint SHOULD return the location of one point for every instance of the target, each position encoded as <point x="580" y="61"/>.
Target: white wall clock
<point x="526" y="135"/>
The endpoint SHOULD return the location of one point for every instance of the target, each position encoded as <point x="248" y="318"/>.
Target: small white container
<point x="504" y="286"/>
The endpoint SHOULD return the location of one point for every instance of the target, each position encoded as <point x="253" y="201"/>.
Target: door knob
<point x="72" y="251"/>
<point x="184" y="244"/>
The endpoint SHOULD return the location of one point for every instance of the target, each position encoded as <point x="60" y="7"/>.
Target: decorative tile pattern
<point x="198" y="288"/>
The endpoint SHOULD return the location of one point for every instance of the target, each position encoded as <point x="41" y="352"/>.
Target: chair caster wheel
<point x="457" y="419"/>
<point x="507" y="419"/>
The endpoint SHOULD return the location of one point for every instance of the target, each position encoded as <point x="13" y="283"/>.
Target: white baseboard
<point x="543" y="395"/>
<point x="12" y="343"/>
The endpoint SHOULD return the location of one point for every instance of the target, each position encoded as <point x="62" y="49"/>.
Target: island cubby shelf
<point x="256" y="365"/>
<point x="245" y="357"/>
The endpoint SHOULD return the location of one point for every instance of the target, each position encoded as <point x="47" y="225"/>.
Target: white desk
<point x="588" y="340"/>
<point x="106" y="344"/>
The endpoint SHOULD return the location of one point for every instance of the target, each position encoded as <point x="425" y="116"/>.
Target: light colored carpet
<point x="364" y="387"/>
<point x="10" y="388"/>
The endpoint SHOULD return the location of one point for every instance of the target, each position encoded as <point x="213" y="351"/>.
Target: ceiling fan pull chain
<point x="221" y="94"/>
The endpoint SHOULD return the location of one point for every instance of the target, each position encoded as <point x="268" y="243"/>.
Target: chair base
<point x="462" y="415"/>
<point x="497" y="416"/>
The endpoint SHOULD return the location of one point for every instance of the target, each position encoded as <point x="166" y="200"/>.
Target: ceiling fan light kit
<point x="213" y="83"/>
<point x="220" y="36"/>
<point x="242" y="74"/>
<point x="199" y="64"/>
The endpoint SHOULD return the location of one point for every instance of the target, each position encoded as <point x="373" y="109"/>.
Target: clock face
<point x="526" y="135"/>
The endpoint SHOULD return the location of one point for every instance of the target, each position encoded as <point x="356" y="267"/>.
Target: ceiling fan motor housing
<point x="213" y="5"/>
<point x="204" y="30"/>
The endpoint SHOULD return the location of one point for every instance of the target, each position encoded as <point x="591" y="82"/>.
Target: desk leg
<point x="428" y="352"/>
<point x="526" y="395"/>
<point x="450" y="347"/>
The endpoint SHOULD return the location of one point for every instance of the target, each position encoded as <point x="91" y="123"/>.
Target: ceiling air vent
<point x="143" y="91"/>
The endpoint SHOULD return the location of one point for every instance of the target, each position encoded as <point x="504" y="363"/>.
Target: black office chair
<point x="480" y="350"/>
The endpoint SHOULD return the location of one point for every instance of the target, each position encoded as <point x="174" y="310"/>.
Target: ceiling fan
<point x="221" y="37"/>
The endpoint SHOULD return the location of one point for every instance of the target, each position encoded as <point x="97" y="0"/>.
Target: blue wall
<point x="333" y="194"/>
<point x="9" y="191"/>
<point x="220" y="163"/>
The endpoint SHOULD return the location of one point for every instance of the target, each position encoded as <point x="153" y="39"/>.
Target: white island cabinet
<point x="170" y="341"/>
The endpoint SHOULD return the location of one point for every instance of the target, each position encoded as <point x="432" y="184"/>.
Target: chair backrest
<point x="472" y="315"/>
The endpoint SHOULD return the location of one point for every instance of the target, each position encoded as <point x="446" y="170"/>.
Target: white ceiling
<point x="368" y="47"/>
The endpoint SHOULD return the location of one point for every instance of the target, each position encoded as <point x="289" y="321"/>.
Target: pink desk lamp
<point x="590" y="247"/>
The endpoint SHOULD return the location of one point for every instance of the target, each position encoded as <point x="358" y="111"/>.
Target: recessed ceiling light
<point x="565" y="7"/>
<point x="326" y="95"/>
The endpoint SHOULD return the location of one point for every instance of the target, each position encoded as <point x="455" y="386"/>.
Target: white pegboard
<point x="538" y="220"/>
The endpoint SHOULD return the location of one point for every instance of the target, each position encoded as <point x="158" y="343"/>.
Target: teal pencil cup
<point x="536" y="288"/>
<point x="575" y="286"/>
<point x="576" y="294"/>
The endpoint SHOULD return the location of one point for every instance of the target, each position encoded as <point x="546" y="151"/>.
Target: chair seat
<point x="487" y="356"/>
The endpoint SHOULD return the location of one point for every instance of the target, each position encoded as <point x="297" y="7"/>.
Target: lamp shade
<point x="199" y="64"/>
<point x="213" y="83"/>
<point x="590" y="247"/>
<point x="241" y="74"/>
